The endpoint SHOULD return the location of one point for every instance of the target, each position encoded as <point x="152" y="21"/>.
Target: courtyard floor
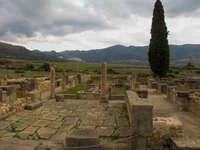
<point x="48" y="126"/>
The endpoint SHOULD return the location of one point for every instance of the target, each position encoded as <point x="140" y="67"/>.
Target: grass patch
<point x="118" y="91"/>
<point x="74" y="90"/>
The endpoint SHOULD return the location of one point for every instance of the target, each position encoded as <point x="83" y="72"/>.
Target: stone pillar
<point x="4" y="96"/>
<point x="141" y="120"/>
<point x="53" y="79"/>
<point x="4" y="81"/>
<point x="104" y="82"/>
<point x="1" y="95"/>
<point x="133" y="83"/>
<point x="13" y="93"/>
<point x="63" y="80"/>
<point x="173" y="96"/>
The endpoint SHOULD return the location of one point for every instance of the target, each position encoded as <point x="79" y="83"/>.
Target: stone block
<point x="85" y="138"/>
<point x="163" y="88"/>
<point x="59" y="98"/>
<point x="142" y="93"/>
<point x="140" y="114"/>
<point x="154" y="85"/>
<point x="33" y="106"/>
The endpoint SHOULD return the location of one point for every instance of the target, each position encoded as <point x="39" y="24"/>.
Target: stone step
<point x="190" y="143"/>
<point x="33" y="106"/>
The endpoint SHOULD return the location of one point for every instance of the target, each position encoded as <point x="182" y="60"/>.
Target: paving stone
<point x="16" y="144"/>
<point x="41" y="123"/>
<point x="91" y="122"/>
<point x="46" y="133"/>
<point x="55" y="125"/>
<point x="69" y="121"/>
<point x="60" y="135"/>
<point x="9" y="134"/>
<point x="51" y="117"/>
<point x="4" y="125"/>
<point x="104" y="131"/>
<point x="48" y="145"/>
<point x="27" y="132"/>
<point x="13" y="118"/>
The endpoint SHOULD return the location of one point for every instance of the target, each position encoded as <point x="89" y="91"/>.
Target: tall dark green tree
<point x="159" y="47"/>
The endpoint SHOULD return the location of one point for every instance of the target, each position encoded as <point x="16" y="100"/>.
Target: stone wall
<point x="141" y="121"/>
<point x="84" y="78"/>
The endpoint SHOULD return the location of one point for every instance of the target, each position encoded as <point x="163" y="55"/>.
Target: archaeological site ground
<point x="74" y="106"/>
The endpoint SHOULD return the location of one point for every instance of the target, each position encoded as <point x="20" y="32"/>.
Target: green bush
<point x="29" y="67"/>
<point x="44" y="67"/>
<point x="19" y="71"/>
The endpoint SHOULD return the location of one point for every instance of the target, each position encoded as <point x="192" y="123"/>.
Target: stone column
<point x="133" y="83"/>
<point x="53" y="79"/>
<point x="104" y="81"/>
<point x="173" y="95"/>
<point x="4" y="96"/>
<point x="3" y="82"/>
<point x="1" y="95"/>
<point x="63" y="80"/>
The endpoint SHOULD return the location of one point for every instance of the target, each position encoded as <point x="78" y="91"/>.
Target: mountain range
<point x="179" y="54"/>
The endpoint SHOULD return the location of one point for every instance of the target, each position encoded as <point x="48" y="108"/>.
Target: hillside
<point x="179" y="54"/>
<point x="136" y="55"/>
<point x="19" y="52"/>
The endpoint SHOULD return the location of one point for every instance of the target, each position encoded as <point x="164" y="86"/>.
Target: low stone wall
<point x="88" y="95"/>
<point x="117" y="97"/>
<point x="164" y="129"/>
<point x="84" y="78"/>
<point x="7" y="109"/>
<point x="141" y="121"/>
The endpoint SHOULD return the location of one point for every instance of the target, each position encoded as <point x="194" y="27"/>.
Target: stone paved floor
<point x="49" y="125"/>
<point x="163" y="108"/>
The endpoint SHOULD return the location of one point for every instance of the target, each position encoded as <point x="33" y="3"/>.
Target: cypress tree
<point x="159" y="48"/>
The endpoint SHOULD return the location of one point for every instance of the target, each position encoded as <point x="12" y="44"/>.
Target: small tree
<point x="159" y="48"/>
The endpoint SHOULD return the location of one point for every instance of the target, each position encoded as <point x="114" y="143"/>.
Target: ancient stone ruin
<point x="39" y="114"/>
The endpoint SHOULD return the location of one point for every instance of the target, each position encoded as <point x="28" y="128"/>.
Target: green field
<point x="118" y="91"/>
<point x="74" y="90"/>
<point x="26" y="68"/>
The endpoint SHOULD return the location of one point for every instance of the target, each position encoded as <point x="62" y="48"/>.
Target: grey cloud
<point x="25" y="18"/>
<point x="175" y="8"/>
<point x="144" y="8"/>
<point x="47" y="17"/>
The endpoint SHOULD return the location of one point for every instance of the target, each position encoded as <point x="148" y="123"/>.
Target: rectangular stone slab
<point x="33" y="106"/>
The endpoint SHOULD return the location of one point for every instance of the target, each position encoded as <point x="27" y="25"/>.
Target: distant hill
<point x="19" y="52"/>
<point x="136" y="54"/>
<point x="179" y="54"/>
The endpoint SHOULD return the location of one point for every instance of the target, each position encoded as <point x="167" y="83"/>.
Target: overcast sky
<point x="92" y="24"/>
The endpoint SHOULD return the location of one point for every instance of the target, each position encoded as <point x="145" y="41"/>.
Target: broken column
<point x="63" y="80"/>
<point x="104" y="81"/>
<point x="133" y="82"/>
<point x="173" y="95"/>
<point x="53" y="79"/>
<point x="3" y="82"/>
<point x="4" y="96"/>
<point x="1" y="95"/>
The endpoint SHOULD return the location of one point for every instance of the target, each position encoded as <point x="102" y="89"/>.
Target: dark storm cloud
<point x="27" y="18"/>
